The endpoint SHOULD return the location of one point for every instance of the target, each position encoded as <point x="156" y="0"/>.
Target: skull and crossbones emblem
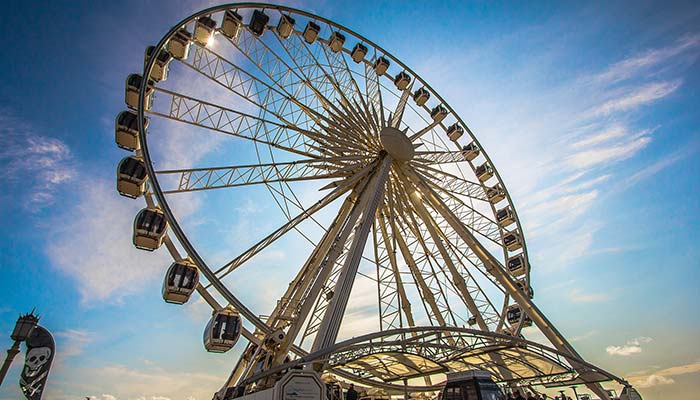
<point x="35" y="359"/>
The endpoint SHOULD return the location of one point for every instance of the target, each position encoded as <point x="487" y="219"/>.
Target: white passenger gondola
<point x="512" y="241"/>
<point x="336" y="41"/>
<point x="160" y="66"/>
<point x="222" y="331"/>
<point x="505" y="216"/>
<point x="133" y="84"/>
<point x="455" y="132"/>
<point x="179" y="44"/>
<point x="484" y="172"/>
<point x="402" y="80"/>
<point x="438" y="113"/>
<point x="126" y="130"/>
<point x="150" y="226"/>
<point x="180" y="282"/>
<point x="258" y="22"/>
<point x="421" y="96"/>
<point x="516" y="265"/>
<point x="311" y="32"/>
<point x="495" y="194"/>
<point x="131" y="177"/>
<point x="470" y="151"/>
<point x="381" y="65"/>
<point x="204" y="30"/>
<point x="522" y="287"/>
<point x="515" y="313"/>
<point x="231" y="24"/>
<point x="285" y="26"/>
<point x="358" y="52"/>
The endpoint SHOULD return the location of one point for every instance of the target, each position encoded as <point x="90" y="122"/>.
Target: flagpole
<point x="11" y="353"/>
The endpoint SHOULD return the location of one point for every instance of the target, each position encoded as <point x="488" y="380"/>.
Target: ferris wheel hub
<point x="396" y="143"/>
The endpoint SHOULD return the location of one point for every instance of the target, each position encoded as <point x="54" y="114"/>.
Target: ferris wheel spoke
<point x="195" y="179"/>
<point x="397" y="116"/>
<point x="447" y="259"/>
<point x="437" y="157"/>
<point x="431" y="125"/>
<point x="341" y="70"/>
<point x="359" y="124"/>
<point x="300" y="81"/>
<point x="283" y="106"/>
<point x="451" y="183"/>
<point x="373" y="91"/>
<point x="427" y="269"/>
<point x="475" y="220"/>
<point x="351" y="184"/>
<point x="307" y="62"/>
<point x="463" y="251"/>
<point x="292" y="81"/>
<point x="192" y="111"/>
<point x="478" y="222"/>
<point x="387" y="280"/>
<point x="392" y="294"/>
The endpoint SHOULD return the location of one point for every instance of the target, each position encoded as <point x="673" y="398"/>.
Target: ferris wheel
<point x="364" y="172"/>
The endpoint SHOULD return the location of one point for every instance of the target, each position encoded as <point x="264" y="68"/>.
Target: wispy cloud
<point x="598" y="135"/>
<point x="151" y="383"/>
<point x="658" y="166"/>
<point x="584" y="336"/>
<point x="633" y="346"/>
<point x="644" y="94"/>
<point x="73" y="341"/>
<point x="94" y="246"/>
<point x="579" y="296"/>
<point x="616" y="153"/>
<point x="664" y="376"/>
<point x="646" y="60"/>
<point x="37" y="164"/>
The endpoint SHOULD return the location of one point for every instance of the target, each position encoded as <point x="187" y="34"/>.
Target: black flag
<point x="37" y="362"/>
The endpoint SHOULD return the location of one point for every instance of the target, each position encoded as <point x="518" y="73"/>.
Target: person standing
<point x="352" y="393"/>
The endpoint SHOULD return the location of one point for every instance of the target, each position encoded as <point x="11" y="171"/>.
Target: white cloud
<point x="92" y="243"/>
<point x="624" y="351"/>
<point x="584" y="336"/>
<point x="664" y="376"/>
<point x="633" y="346"/>
<point x="38" y="164"/>
<point x="640" y="96"/>
<point x="152" y="383"/>
<point x="654" y="380"/>
<point x="615" y="153"/>
<point x="658" y="166"/>
<point x="73" y="341"/>
<point x="613" y="132"/>
<point x="632" y="66"/>
<point x="578" y="296"/>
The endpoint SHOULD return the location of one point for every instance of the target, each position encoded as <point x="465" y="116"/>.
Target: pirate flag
<point x="37" y="362"/>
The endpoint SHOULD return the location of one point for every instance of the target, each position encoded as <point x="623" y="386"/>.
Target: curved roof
<point x="385" y="359"/>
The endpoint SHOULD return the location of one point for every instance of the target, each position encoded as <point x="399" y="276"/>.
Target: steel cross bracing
<point x="221" y="177"/>
<point x="207" y="115"/>
<point x="281" y="104"/>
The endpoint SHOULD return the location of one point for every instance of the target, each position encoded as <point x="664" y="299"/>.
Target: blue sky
<point x="588" y="110"/>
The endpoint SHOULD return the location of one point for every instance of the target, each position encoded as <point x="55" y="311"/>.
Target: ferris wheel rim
<point x="159" y="194"/>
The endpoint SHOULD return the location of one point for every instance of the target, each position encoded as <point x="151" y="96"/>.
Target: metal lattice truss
<point x="385" y="359"/>
<point x="386" y="159"/>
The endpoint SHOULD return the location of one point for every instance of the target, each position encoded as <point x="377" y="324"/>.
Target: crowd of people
<point x="531" y="396"/>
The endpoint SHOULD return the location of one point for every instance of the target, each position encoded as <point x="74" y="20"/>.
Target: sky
<point x="589" y="110"/>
